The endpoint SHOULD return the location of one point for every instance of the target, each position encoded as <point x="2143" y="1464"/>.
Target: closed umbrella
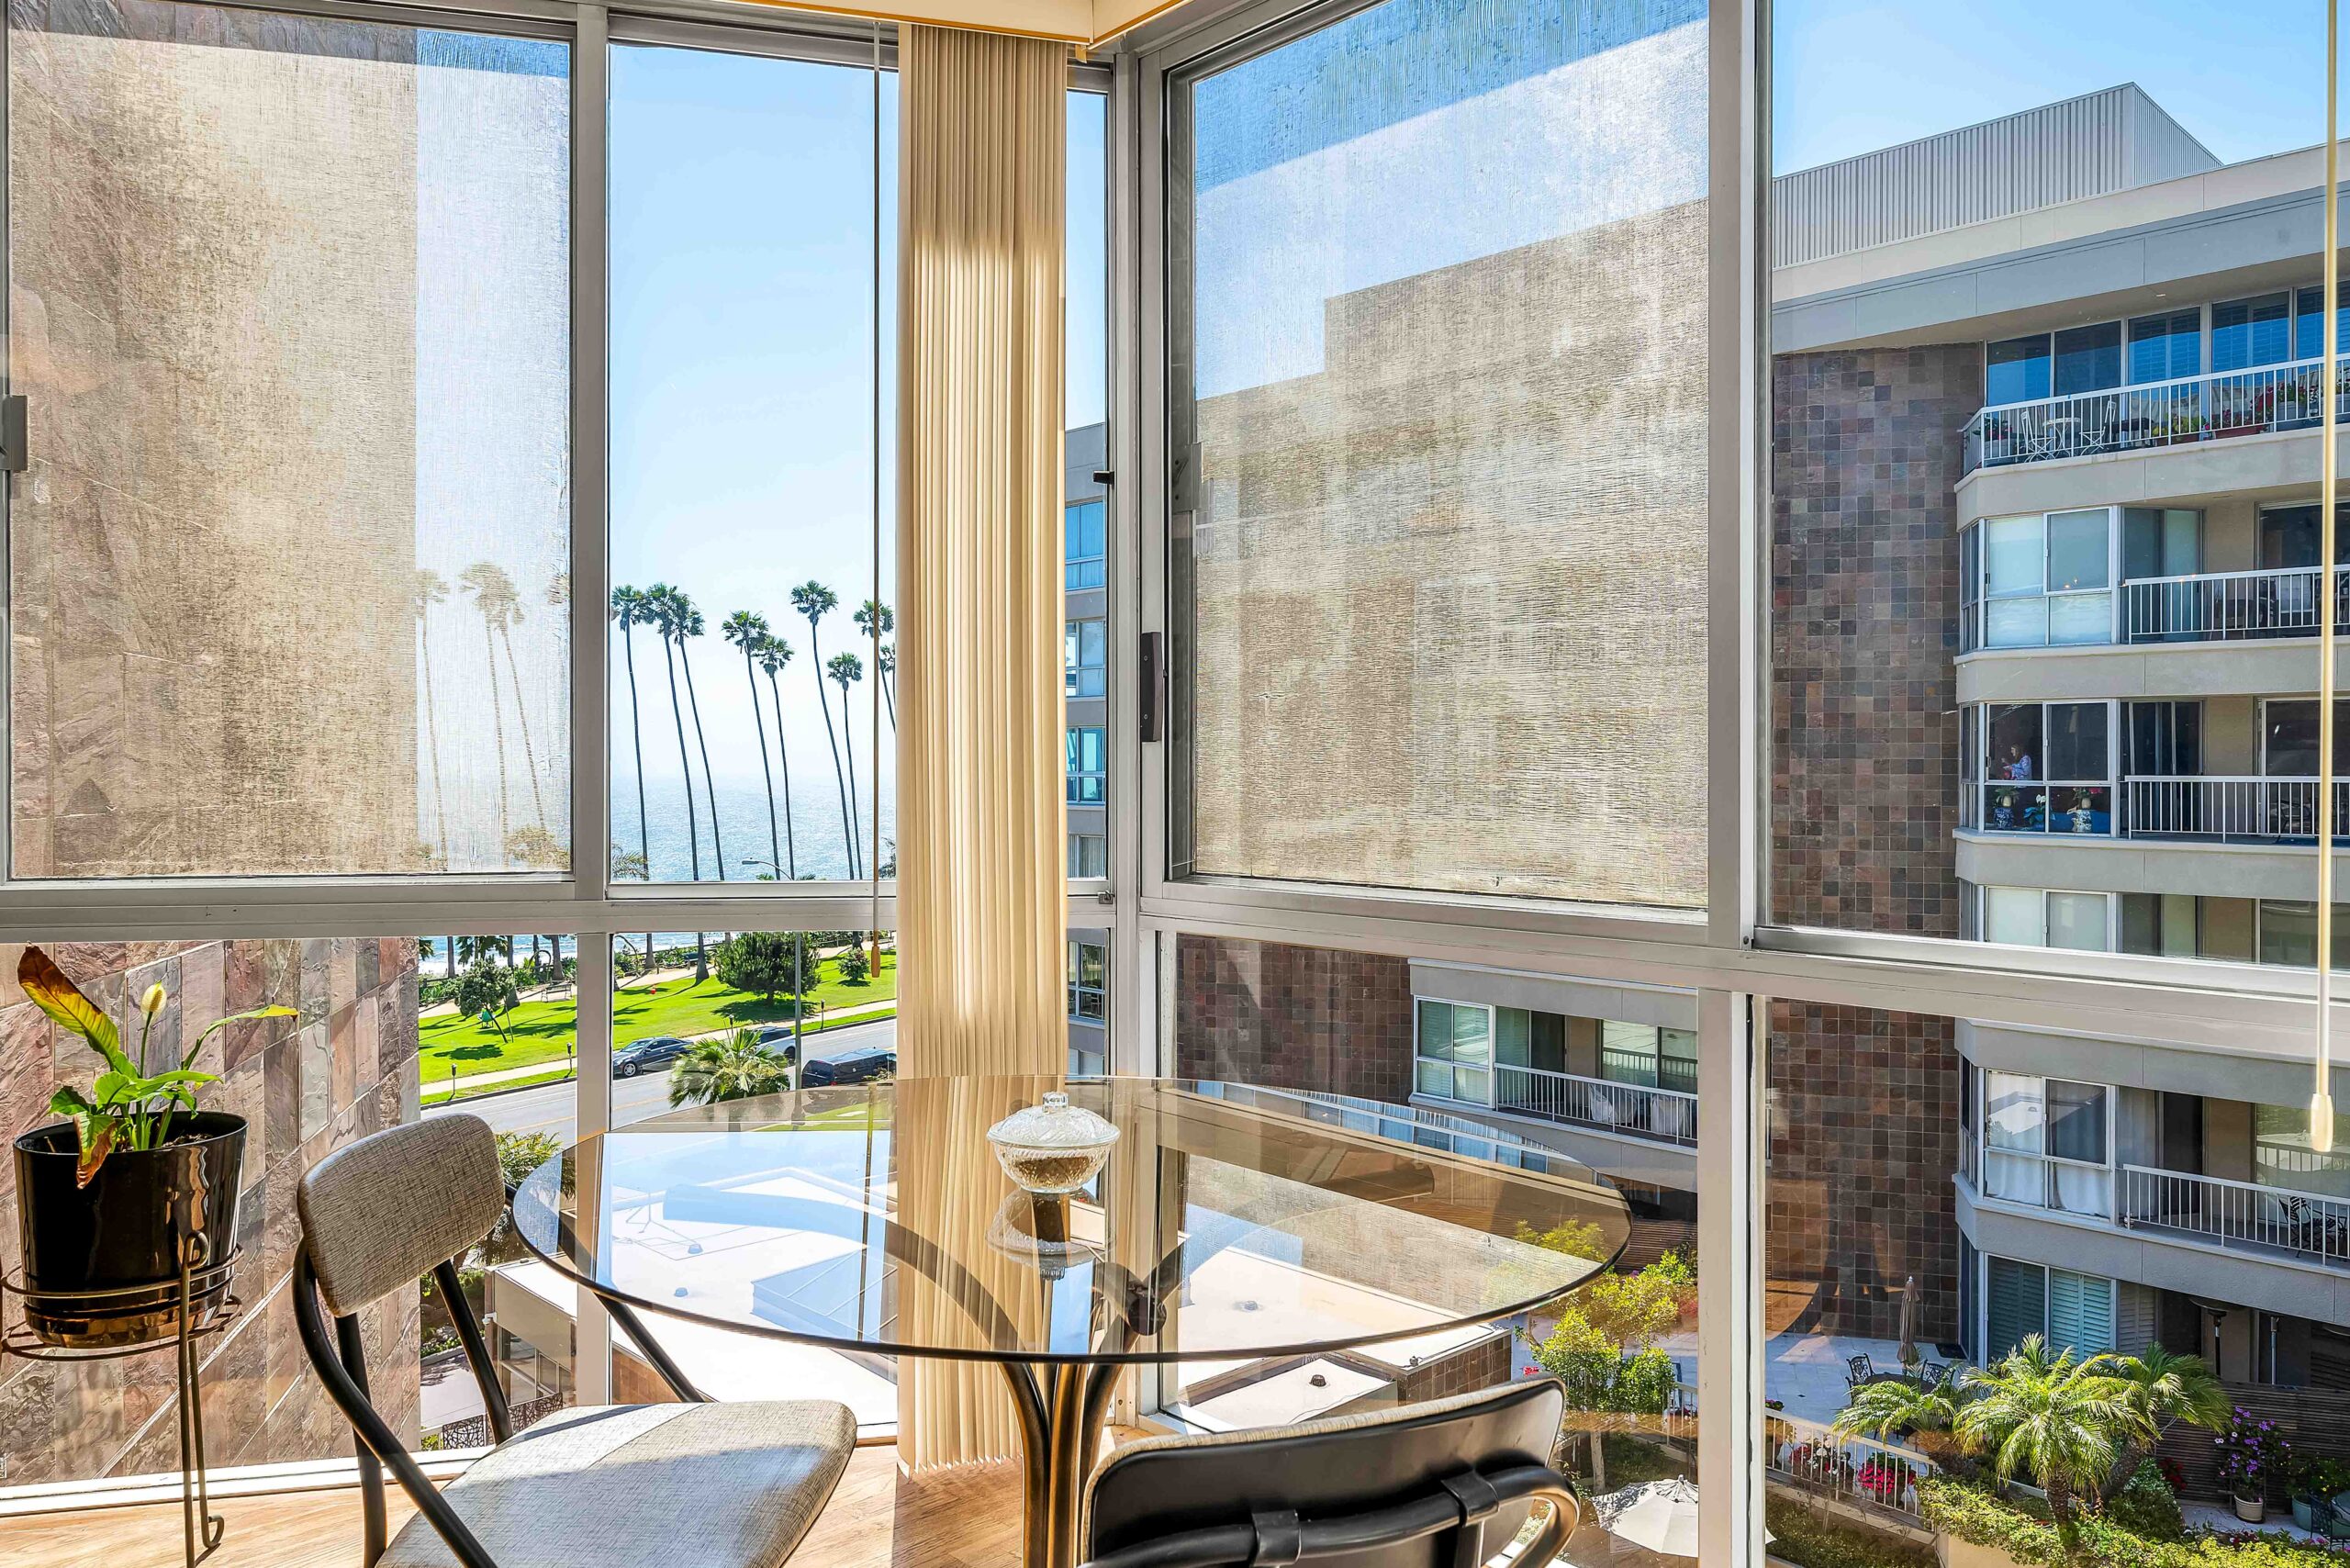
<point x="1659" y="1515"/>
<point x="1908" y="1351"/>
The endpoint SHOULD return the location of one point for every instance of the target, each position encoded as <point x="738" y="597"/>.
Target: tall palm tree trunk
<point x="693" y="830"/>
<point x="636" y="739"/>
<point x="432" y="742"/>
<point x="775" y="836"/>
<point x="523" y="718"/>
<point x="709" y="783"/>
<point x="498" y="730"/>
<point x="791" y="874"/>
<point x="849" y="747"/>
<point x="848" y="819"/>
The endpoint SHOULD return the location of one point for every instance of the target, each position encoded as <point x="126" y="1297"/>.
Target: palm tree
<point x="430" y="590"/>
<point x="689" y="624"/>
<point x="1897" y="1407"/>
<point x="773" y="653"/>
<point x="814" y="600"/>
<point x="2059" y="1422"/>
<point x="493" y="591"/>
<point x="632" y="610"/>
<point x="2169" y="1389"/>
<point x="885" y="664"/>
<point x="844" y="669"/>
<point x="667" y="613"/>
<point x="750" y="632"/>
<point x="873" y="619"/>
<point x="501" y="609"/>
<point x="735" y="1068"/>
<point x="469" y="949"/>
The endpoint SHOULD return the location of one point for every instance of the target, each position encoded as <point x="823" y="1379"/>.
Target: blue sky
<point x="1852" y="75"/>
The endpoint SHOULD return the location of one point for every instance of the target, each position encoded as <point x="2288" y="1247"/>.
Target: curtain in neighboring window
<point x="982" y="901"/>
<point x="2019" y="1306"/>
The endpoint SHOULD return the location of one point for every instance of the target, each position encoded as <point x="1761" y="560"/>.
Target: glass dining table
<point x="1230" y="1224"/>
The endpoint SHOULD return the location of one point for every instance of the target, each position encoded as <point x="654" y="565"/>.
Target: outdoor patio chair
<point x="1931" y="1374"/>
<point x="1433" y="1485"/>
<point x="1858" y="1370"/>
<point x="735" y="1484"/>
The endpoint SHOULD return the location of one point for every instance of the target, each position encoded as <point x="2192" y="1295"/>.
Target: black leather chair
<point x="1444" y="1484"/>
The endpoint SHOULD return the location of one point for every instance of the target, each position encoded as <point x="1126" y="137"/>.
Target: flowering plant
<point x="2250" y="1451"/>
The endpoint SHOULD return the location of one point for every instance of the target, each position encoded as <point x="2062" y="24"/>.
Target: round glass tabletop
<point x="1228" y="1223"/>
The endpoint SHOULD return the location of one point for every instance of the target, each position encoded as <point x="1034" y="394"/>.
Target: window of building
<point x="1085" y="658"/>
<point x="2088" y="359"/>
<point x="2288" y="933"/>
<point x="2309" y="325"/>
<point x="1089" y="854"/>
<point x="1088" y="768"/>
<point x="1452" y="1049"/>
<point x="2035" y="917"/>
<point x="2048" y="767"/>
<point x="2044" y="1142"/>
<point x="2247" y="332"/>
<point x="1084" y="544"/>
<point x="1088" y="965"/>
<point x="2167" y="347"/>
<point x="2047" y="579"/>
<point x="2071" y="1311"/>
<point x="1649" y="1055"/>
<point x="2015" y="371"/>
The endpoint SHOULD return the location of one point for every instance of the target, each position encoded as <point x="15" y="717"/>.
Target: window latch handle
<point x="13" y="452"/>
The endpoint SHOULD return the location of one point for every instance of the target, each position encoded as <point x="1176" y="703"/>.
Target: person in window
<point x="2019" y="763"/>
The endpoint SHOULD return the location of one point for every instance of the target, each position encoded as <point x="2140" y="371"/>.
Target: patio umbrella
<point x="1659" y="1515"/>
<point x="1908" y="1351"/>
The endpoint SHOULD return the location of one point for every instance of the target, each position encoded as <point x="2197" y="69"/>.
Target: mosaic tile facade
<point x="343" y="1067"/>
<point x="1294" y="1017"/>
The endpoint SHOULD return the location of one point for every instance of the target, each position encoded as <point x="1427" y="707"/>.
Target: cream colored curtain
<point x="980" y="769"/>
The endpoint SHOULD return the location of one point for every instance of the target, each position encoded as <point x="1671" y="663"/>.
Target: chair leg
<point x="375" y="1531"/>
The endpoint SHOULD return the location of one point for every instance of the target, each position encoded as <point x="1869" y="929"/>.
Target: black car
<point x="643" y="1055"/>
<point x="777" y="1038"/>
<point x="872" y="1064"/>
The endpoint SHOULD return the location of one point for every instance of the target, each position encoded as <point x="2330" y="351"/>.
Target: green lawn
<point x="544" y="1031"/>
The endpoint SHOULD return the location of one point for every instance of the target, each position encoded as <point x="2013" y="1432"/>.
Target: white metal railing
<point x="2228" y="807"/>
<point x="1810" y="1456"/>
<point x="2159" y="413"/>
<point x="1414" y="1124"/>
<point x="1666" y="1114"/>
<point x="2236" y="1213"/>
<point x="2228" y="606"/>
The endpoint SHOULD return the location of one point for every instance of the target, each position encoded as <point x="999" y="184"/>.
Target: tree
<point x="493" y="591"/>
<point x="486" y="990"/>
<point x="750" y="632"/>
<point x="735" y="1068"/>
<point x="501" y="611"/>
<point x="773" y="653"/>
<point x="667" y="605"/>
<point x="690" y="625"/>
<point x="844" y="669"/>
<point x="475" y="949"/>
<point x="519" y="1154"/>
<point x="885" y="663"/>
<point x="814" y="600"/>
<point x="2058" y="1422"/>
<point x="632" y="609"/>
<point x="1604" y="1349"/>
<point x="768" y="963"/>
<point x="873" y="617"/>
<point x="855" y="967"/>
<point x="2168" y="1389"/>
<point x="430" y="590"/>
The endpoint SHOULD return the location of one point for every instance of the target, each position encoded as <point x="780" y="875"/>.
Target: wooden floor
<point x="968" y="1517"/>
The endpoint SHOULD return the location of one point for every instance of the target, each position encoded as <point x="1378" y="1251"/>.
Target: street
<point x="548" y="1107"/>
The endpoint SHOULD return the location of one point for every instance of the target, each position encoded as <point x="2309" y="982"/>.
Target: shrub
<point x="2146" y="1506"/>
<point x="1976" y="1515"/>
<point x="1812" y="1540"/>
<point x="2252" y="1453"/>
<point x="856" y="968"/>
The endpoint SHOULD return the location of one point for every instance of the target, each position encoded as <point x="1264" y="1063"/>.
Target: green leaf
<point x="114" y="1089"/>
<point x="68" y="1102"/>
<point x="54" y="993"/>
<point x="214" y="1028"/>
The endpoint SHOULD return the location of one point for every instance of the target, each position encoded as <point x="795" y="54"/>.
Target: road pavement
<point x="548" y="1108"/>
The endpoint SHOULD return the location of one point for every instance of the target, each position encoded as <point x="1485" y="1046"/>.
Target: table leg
<point x="1062" y="1407"/>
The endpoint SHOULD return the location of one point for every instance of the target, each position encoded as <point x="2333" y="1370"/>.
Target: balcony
<point x="2229" y="809"/>
<point x="2216" y="607"/>
<point x="1603" y="1104"/>
<point x="2192" y="409"/>
<point x="2275" y="1222"/>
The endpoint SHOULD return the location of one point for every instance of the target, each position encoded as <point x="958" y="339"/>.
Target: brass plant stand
<point x="201" y="1529"/>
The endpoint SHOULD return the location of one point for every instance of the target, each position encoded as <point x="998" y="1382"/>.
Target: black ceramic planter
<point x="118" y="1240"/>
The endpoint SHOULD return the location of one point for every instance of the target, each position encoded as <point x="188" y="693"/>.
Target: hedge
<point x="1984" y="1520"/>
<point x="1810" y="1539"/>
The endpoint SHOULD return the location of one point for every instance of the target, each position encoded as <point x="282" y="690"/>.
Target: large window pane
<point x="746" y="328"/>
<point x="289" y="570"/>
<point x="1439" y="410"/>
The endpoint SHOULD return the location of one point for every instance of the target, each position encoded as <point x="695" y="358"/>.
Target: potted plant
<point x="2250" y="1451"/>
<point x="2315" y="1483"/>
<point x="137" y="1182"/>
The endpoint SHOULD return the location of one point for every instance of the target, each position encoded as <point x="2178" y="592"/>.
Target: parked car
<point x="777" y="1038"/>
<point x="873" y="1064"/>
<point x="641" y="1056"/>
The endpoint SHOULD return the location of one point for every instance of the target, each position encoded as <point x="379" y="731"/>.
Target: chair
<point x="734" y="1486"/>
<point x="1443" y="1485"/>
<point x="1858" y="1370"/>
<point x="1931" y="1374"/>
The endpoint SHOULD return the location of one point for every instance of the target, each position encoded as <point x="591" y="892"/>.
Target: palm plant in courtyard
<point x="814" y="600"/>
<point x="735" y="1068"/>
<point x="2169" y="1389"/>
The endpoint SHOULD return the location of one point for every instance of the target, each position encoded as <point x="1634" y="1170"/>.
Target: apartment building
<point x="1085" y="689"/>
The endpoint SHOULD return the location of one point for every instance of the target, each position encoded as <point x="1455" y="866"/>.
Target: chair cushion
<point x="716" y="1485"/>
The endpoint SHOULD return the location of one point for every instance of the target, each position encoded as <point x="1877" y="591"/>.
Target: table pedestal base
<point x="1062" y="1408"/>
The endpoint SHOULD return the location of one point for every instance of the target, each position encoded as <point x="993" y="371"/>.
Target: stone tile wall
<point x="343" y="1067"/>
<point x="1294" y="1017"/>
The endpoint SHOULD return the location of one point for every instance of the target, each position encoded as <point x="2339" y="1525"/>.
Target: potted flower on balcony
<point x="2252" y="1453"/>
<point x="138" y="1181"/>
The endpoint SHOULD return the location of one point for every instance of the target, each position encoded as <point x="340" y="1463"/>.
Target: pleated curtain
<point x="980" y="770"/>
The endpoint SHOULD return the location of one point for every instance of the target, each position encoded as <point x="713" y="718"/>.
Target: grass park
<point x="452" y="1045"/>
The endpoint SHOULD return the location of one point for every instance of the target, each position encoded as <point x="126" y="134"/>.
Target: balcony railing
<point x="2237" y="1214"/>
<point x="2243" y="809"/>
<point x="1809" y="1456"/>
<point x="2159" y="413"/>
<point x="1667" y="1115"/>
<point x="2228" y="606"/>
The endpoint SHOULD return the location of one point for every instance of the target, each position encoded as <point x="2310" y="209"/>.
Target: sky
<point x="1852" y="75"/>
